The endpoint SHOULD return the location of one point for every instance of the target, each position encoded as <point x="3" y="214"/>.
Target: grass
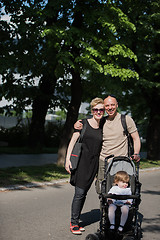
<point x="149" y="163"/>
<point x="46" y="173"/>
<point x="24" y="175"/>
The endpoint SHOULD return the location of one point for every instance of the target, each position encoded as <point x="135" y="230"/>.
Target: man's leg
<point x="100" y="176"/>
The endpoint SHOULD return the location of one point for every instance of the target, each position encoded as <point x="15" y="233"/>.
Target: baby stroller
<point x="132" y="228"/>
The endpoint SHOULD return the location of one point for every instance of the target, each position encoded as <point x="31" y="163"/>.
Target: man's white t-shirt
<point x="115" y="142"/>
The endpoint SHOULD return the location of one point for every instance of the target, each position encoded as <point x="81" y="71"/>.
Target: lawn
<point x="149" y="164"/>
<point x="46" y="173"/>
<point x="23" y="175"/>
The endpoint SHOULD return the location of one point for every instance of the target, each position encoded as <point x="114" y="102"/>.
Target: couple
<point x="98" y="143"/>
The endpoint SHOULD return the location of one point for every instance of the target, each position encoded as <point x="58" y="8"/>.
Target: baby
<point x="120" y="187"/>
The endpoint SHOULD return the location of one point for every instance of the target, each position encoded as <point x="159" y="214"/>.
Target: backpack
<point x="124" y="124"/>
<point x="130" y="139"/>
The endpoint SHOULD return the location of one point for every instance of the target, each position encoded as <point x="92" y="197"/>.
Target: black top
<point x="88" y="162"/>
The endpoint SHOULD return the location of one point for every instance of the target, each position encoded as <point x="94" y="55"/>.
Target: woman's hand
<point x="68" y="166"/>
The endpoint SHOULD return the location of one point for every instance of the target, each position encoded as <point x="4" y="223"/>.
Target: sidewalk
<point x="18" y="160"/>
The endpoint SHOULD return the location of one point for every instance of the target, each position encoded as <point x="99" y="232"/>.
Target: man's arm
<point x="137" y="145"/>
<point x="78" y="125"/>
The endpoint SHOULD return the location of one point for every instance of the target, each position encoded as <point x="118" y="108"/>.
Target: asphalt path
<point x="44" y="213"/>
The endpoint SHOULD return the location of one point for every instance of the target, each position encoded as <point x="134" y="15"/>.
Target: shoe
<point x="75" y="229"/>
<point x="120" y="233"/>
<point x="120" y="230"/>
<point x="112" y="227"/>
<point x="82" y="229"/>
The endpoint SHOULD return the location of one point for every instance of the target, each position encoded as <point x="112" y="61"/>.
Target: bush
<point x="18" y="136"/>
<point x="53" y="133"/>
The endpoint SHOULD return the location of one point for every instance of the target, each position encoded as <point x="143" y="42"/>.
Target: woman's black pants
<point x="77" y="204"/>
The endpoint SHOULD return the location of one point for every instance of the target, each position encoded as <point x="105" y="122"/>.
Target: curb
<point x="34" y="185"/>
<point x="55" y="182"/>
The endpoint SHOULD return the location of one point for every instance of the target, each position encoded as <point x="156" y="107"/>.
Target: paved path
<point x="44" y="213"/>
<point x="17" y="160"/>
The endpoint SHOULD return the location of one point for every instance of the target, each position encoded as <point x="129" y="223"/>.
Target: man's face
<point x="111" y="106"/>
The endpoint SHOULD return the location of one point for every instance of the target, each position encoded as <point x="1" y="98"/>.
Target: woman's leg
<point x="111" y="215"/>
<point x="77" y="205"/>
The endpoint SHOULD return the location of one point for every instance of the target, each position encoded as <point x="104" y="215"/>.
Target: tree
<point x="96" y="49"/>
<point x="58" y="41"/>
<point x="146" y="92"/>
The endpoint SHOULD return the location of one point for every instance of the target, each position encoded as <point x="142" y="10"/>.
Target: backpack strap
<point x="130" y="140"/>
<point x="123" y="121"/>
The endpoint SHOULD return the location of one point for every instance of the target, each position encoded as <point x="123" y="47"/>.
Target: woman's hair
<point x="96" y="101"/>
<point x="121" y="176"/>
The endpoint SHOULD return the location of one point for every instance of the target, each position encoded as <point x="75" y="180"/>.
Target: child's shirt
<point x="120" y="191"/>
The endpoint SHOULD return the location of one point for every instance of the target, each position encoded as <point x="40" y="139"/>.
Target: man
<point x="115" y="142"/>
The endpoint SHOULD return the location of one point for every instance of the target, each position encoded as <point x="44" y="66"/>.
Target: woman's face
<point x="98" y="111"/>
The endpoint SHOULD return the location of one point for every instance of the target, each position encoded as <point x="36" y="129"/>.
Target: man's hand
<point x="78" y="125"/>
<point x="136" y="157"/>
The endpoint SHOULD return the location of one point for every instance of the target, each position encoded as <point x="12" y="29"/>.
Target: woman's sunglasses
<point x="96" y="110"/>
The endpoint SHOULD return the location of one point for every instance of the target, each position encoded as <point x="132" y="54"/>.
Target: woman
<point x="87" y="168"/>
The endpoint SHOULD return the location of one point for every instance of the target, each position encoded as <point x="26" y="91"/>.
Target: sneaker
<point x="120" y="230"/>
<point x="82" y="229"/>
<point x="75" y="229"/>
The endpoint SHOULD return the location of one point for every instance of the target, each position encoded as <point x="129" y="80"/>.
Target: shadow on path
<point x="91" y="217"/>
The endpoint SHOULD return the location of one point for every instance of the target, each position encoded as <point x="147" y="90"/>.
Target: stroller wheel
<point x="127" y="237"/>
<point x="92" y="237"/>
<point x="139" y="233"/>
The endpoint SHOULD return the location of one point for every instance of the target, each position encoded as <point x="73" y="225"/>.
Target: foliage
<point x="18" y="136"/>
<point x="61" y="115"/>
<point x="32" y="45"/>
<point x="53" y="133"/>
<point x="47" y="44"/>
<point x="143" y="96"/>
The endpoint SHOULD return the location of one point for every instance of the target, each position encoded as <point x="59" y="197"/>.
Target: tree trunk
<point x="76" y="92"/>
<point x="40" y="107"/>
<point x="153" y="134"/>
<point x="72" y="115"/>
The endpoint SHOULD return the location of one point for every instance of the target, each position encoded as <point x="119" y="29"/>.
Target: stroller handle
<point x="121" y="197"/>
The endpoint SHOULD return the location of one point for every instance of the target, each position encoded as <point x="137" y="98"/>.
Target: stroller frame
<point x="132" y="228"/>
